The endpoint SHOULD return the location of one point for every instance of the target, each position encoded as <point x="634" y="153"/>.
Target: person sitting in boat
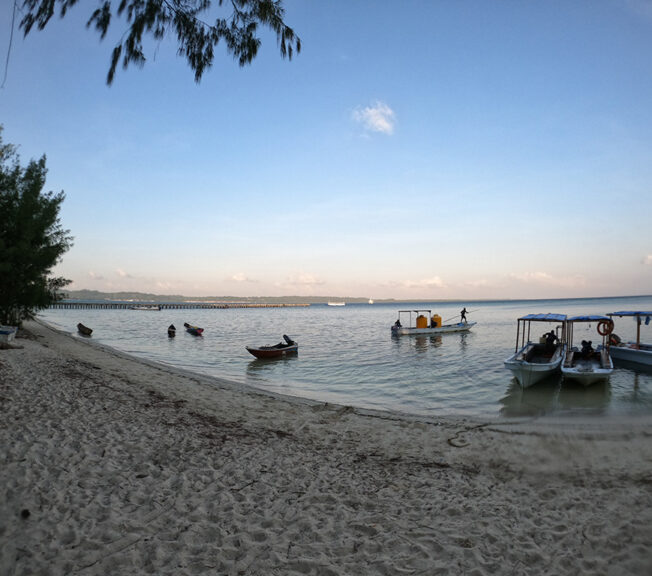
<point x="551" y="339"/>
<point x="397" y="324"/>
<point x="587" y="348"/>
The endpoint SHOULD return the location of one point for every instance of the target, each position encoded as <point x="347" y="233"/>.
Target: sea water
<point x="347" y="355"/>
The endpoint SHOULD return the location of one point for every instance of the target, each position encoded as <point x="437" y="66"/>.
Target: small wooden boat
<point x="533" y="361"/>
<point x="276" y="351"/>
<point x="85" y="330"/>
<point x="194" y="330"/>
<point x="586" y="365"/>
<point x="172" y="331"/>
<point x="636" y="352"/>
<point x="425" y="322"/>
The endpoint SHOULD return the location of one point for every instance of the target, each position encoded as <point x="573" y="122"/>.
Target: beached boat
<point x="7" y="333"/>
<point x="85" y="330"/>
<point x="276" y="351"/>
<point x="194" y="330"/>
<point x="636" y="352"/>
<point x="424" y="322"/>
<point x="585" y="364"/>
<point x="534" y="361"/>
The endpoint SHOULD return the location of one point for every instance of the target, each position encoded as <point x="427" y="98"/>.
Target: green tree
<point x="196" y="37"/>
<point x="32" y="240"/>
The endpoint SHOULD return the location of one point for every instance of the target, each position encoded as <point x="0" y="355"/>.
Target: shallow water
<point x="348" y="356"/>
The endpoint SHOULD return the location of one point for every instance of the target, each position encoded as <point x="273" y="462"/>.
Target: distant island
<point x="94" y="295"/>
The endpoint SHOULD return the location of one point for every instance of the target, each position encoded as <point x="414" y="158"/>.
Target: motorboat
<point x="636" y="352"/>
<point x="288" y="346"/>
<point x="424" y="322"/>
<point x="152" y="308"/>
<point x="584" y="364"/>
<point x="534" y="361"/>
<point x="194" y="330"/>
<point x="336" y="303"/>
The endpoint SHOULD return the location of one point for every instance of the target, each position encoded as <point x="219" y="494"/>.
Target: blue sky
<point x="421" y="149"/>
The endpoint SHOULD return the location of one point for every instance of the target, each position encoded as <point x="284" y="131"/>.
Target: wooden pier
<point x="154" y="306"/>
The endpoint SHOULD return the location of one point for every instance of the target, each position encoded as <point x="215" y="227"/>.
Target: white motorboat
<point x="585" y="364"/>
<point x="424" y="322"/>
<point x="534" y="361"/>
<point x="636" y="352"/>
<point x="336" y="303"/>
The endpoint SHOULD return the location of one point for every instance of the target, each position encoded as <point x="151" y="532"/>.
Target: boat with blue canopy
<point x="585" y="364"/>
<point x="533" y="361"/>
<point x="636" y="352"/>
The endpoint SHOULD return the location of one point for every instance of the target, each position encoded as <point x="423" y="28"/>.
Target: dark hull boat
<point x="194" y="330"/>
<point x="85" y="330"/>
<point x="276" y="351"/>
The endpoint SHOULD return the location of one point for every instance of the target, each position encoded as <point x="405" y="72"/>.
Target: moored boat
<point x="585" y="364"/>
<point x="194" y="330"/>
<point x="152" y="308"/>
<point x="172" y="331"/>
<point x="85" y="330"/>
<point x="636" y="352"/>
<point x="534" y="361"/>
<point x="424" y="322"/>
<point x="7" y="333"/>
<point x="336" y="303"/>
<point x="289" y="346"/>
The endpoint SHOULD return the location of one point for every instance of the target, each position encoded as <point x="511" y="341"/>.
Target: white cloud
<point x="94" y="276"/>
<point x="543" y="278"/>
<point x="304" y="280"/>
<point x="241" y="278"/>
<point x="434" y="282"/>
<point x="647" y="260"/>
<point x="122" y="273"/>
<point x="377" y="118"/>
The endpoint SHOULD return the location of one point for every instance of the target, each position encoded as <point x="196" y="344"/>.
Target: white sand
<point x="113" y="466"/>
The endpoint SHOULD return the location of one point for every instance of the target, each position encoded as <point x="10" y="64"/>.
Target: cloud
<point x="434" y="282"/>
<point x="647" y="260"/>
<point x="304" y="280"/>
<point x="122" y="273"/>
<point x="94" y="276"/>
<point x="241" y="278"/>
<point x="543" y="278"/>
<point x="377" y="118"/>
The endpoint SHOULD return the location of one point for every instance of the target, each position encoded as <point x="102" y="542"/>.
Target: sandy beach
<point x="109" y="465"/>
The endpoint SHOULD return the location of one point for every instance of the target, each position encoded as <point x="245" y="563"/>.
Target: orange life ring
<point x="605" y="327"/>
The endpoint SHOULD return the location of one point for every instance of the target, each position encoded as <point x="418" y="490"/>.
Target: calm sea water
<point x="348" y="356"/>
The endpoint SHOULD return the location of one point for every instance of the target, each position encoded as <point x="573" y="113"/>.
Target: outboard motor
<point x="288" y="339"/>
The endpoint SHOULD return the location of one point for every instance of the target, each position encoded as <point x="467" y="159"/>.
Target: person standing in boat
<point x="463" y="315"/>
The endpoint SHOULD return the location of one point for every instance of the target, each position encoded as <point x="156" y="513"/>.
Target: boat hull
<point x="7" y="333"/>
<point x="630" y="353"/>
<point x="587" y="371"/>
<point x="272" y="351"/>
<point x="460" y="327"/>
<point x="529" y="368"/>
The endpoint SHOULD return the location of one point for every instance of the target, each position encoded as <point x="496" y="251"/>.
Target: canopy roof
<point x="544" y="317"/>
<point x="590" y="318"/>
<point x="629" y="313"/>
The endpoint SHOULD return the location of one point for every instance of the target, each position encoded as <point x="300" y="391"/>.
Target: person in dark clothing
<point x="551" y="339"/>
<point x="463" y="314"/>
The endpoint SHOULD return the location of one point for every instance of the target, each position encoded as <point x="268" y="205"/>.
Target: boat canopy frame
<point x="417" y="312"/>
<point x="637" y="315"/>
<point x="527" y="324"/>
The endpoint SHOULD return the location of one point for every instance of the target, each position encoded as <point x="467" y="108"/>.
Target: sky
<point x="439" y="149"/>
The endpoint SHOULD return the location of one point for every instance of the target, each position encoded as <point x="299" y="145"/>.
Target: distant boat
<point x="587" y="365"/>
<point x="631" y="351"/>
<point x="149" y="308"/>
<point x="276" y="351"/>
<point x="371" y="301"/>
<point x="533" y="361"/>
<point x="194" y="330"/>
<point x="85" y="330"/>
<point x="337" y="303"/>
<point x="425" y="323"/>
